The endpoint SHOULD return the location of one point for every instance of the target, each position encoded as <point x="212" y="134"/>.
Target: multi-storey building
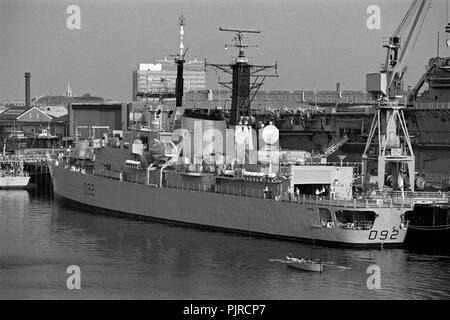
<point x="160" y="77"/>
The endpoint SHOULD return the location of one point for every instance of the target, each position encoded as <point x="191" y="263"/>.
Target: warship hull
<point x="255" y="216"/>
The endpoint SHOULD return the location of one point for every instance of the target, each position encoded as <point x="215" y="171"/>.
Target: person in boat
<point x="290" y="255"/>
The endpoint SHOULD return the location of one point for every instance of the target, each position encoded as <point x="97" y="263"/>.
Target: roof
<point x="12" y="113"/>
<point x="64" y="100"/>
<point x="22" y="114"/>
<point x="64" y="118"/>
<point x="97" y="105"/>
<point x="33" y="114"/>
<point x="53" y="100"/>
<point x="54" y="111"/>
<point x="88" y="99"/>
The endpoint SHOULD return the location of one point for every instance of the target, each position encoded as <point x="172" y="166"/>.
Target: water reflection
<point x="126" y="258"/>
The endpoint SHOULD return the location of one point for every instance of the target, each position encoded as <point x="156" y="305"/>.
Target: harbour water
<point x="122" y="258"/>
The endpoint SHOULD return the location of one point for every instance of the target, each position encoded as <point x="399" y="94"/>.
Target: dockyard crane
<point x="424" y="78"/>
<point x="389" y="81"/>
<point x="392" y="152"/>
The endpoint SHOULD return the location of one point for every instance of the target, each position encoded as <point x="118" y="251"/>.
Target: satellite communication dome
<point x="270" y="134"/>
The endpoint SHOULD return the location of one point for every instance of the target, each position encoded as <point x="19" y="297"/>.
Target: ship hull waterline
<point x="218" y="212"/>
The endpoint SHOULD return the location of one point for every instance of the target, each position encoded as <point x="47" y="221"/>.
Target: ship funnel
<point x="27" y="90"/>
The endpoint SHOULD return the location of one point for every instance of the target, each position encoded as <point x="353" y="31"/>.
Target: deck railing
<point x="312" y="200"/>
<point x="356" y="225"/>
<point x="438" y="179"/>
<point x="416" y="196"/>
<point x="433" y="105"/>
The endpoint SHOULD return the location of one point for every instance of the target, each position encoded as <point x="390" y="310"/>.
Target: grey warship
<point x="227" y="175"/>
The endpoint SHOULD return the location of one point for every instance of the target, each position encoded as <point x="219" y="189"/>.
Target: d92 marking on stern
<point x="383" y="235"/>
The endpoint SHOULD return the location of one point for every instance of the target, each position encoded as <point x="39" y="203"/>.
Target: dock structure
<point x="429" y="226"/>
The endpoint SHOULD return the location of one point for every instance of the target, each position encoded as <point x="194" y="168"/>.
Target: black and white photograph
<point x="224" y="154"/>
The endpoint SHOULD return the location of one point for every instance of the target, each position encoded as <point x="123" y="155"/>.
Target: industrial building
<point x="83" y="115"/>
<point x="29" y="122"/>
<point x="161" y="77"/>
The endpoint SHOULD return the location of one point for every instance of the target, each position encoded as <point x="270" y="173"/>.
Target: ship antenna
<point x="240" y="42"/>
<point x="437" y="54"/>
<point x="447" y="27"/>
<point x="182" y="23"/>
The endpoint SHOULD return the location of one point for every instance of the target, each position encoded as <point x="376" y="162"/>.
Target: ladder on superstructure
<point x="331" y="148"/>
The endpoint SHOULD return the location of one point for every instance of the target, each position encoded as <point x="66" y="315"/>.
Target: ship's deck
<point x="377" y="200"/>
<point x="391" y="199"/>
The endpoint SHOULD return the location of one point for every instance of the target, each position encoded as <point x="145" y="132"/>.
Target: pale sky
<point x="323" y="41"/>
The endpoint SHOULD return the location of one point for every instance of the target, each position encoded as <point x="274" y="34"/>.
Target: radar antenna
<point x="241" y="42"/>
<point x="243" y="90"/>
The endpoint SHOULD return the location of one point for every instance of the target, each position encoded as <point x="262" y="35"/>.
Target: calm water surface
<point x="123" y="258"/>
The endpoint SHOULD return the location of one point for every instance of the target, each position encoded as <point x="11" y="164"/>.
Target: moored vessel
<point x="12" y="175"/>
<point x="227" y="175"/>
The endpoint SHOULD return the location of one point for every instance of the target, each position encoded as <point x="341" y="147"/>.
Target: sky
<point x="313" y="41"/>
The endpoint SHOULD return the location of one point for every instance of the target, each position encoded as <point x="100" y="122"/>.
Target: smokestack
<point x="27" y="90"/>
<point x="179" y="84"/>
<point x="338" y="87"/>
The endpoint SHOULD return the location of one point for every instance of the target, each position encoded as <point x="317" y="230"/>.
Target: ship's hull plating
<point x="13" y="182"/>
<point x="218" y="211"/>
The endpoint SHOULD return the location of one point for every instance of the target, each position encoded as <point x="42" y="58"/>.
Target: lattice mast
<point x="242" y="71"/>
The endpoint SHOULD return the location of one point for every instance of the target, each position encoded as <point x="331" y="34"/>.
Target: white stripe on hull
<point x="293" y="220"/>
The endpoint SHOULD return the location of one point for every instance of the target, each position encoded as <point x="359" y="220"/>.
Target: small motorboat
<point x="303" y="264"/>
